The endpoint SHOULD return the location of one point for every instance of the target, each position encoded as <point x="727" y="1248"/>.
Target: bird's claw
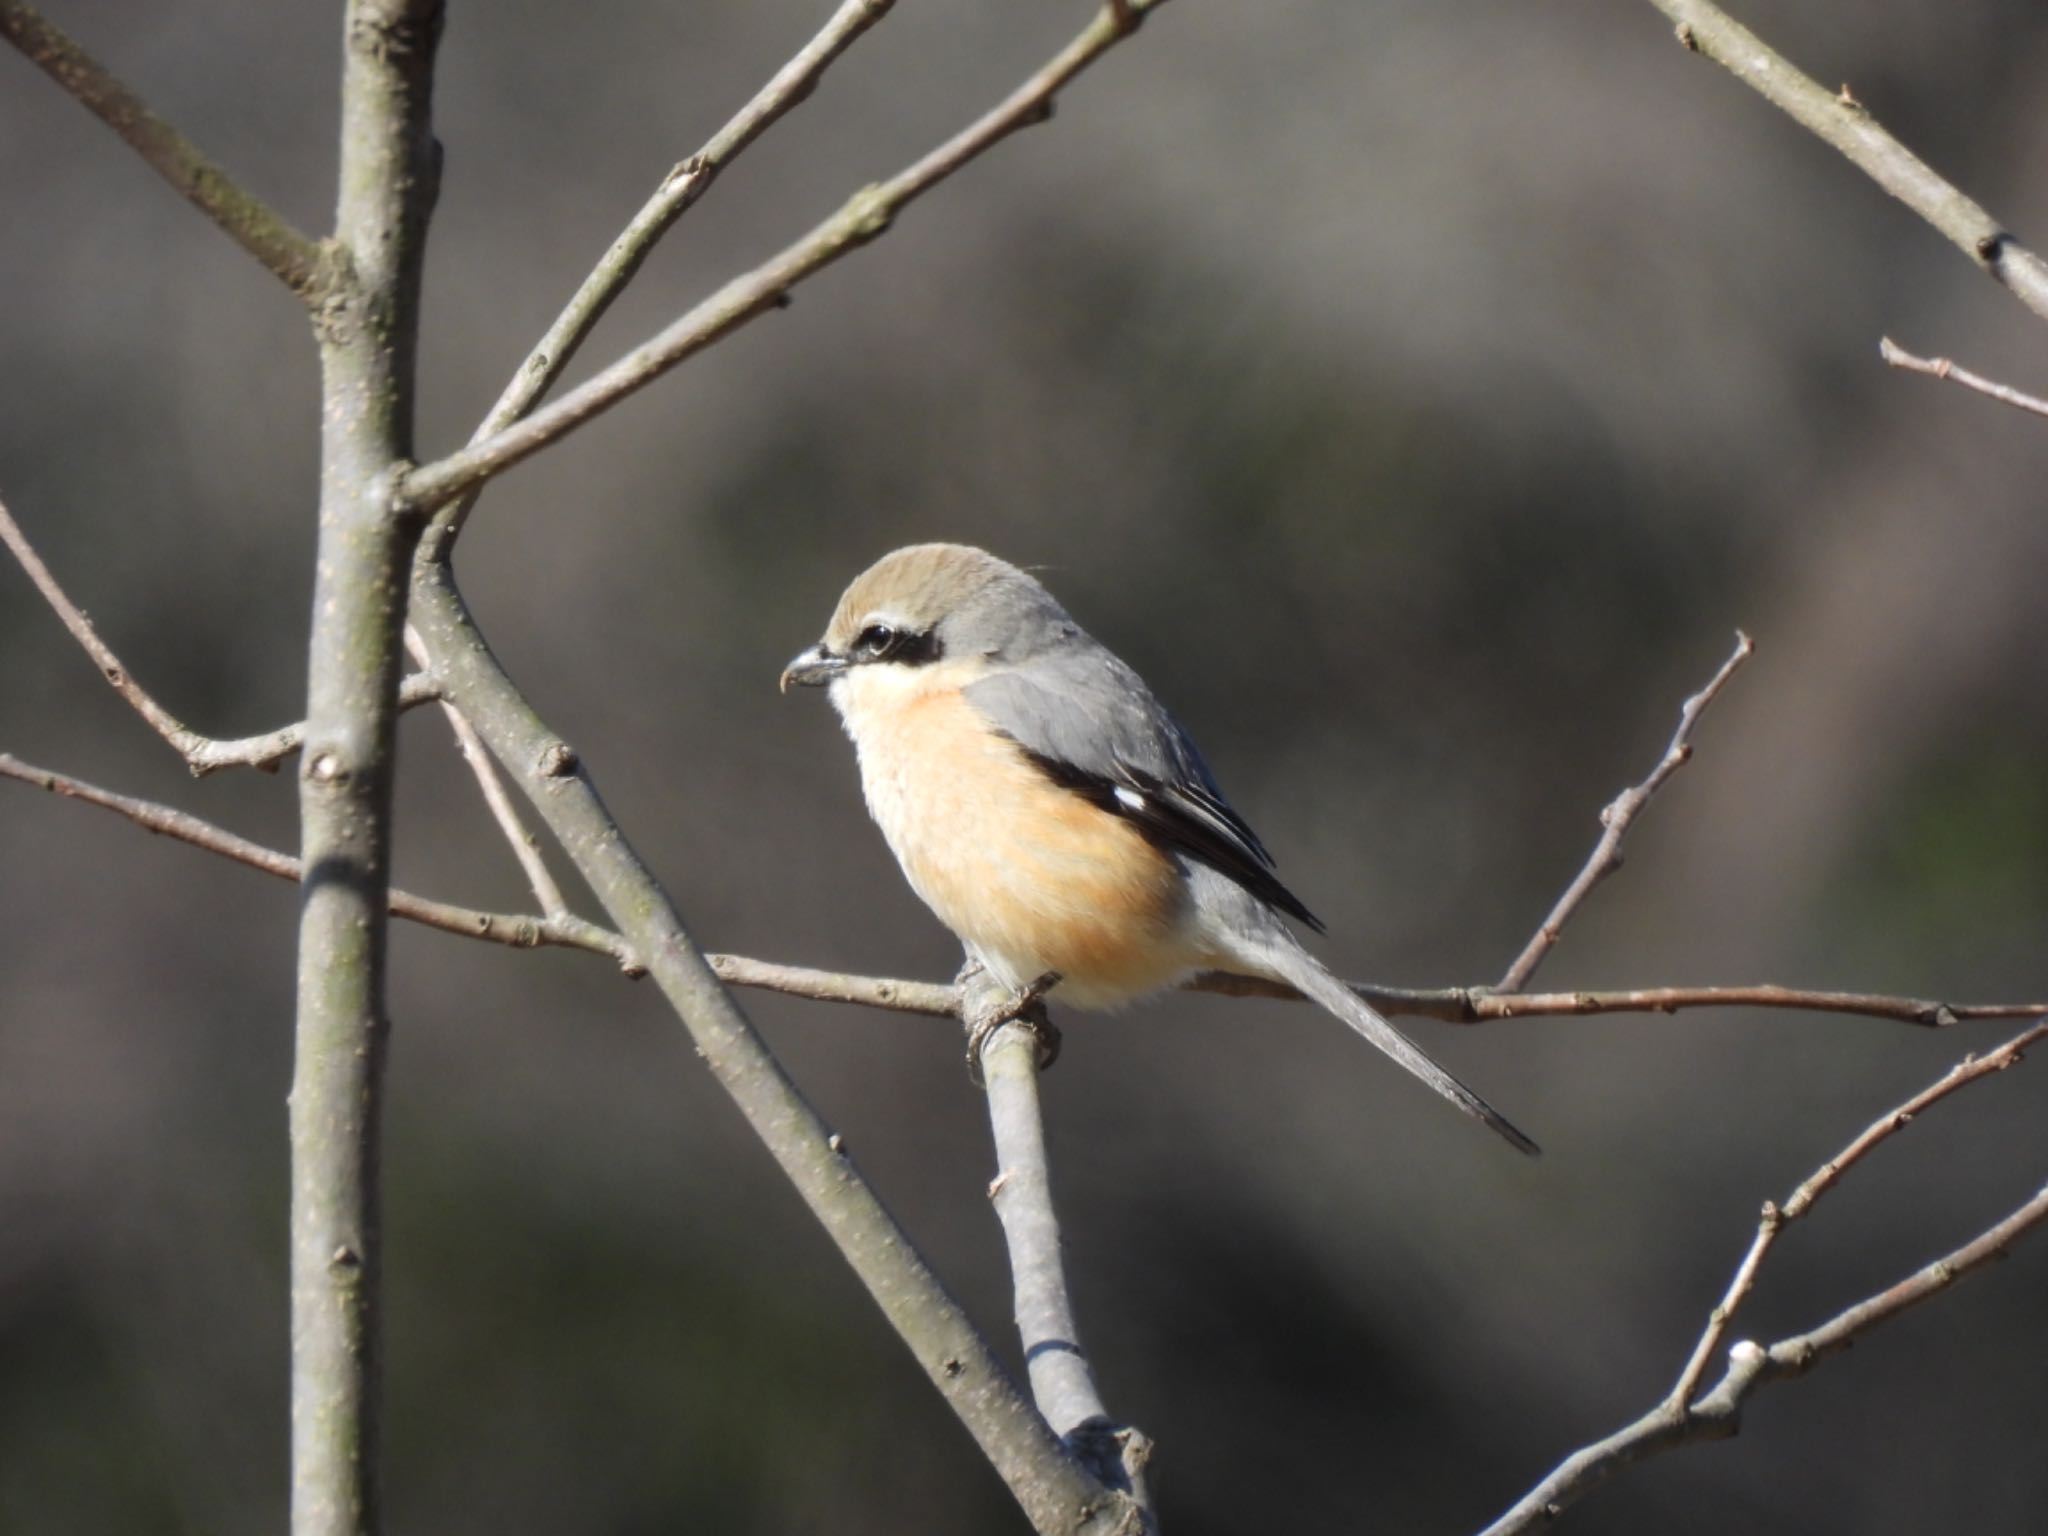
<point x="988" y="1009"/>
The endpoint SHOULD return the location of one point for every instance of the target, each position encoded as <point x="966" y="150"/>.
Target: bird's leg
<point x="986" y="1007"/>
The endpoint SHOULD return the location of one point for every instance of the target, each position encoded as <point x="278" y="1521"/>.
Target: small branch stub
<point x="1946" y="369"/>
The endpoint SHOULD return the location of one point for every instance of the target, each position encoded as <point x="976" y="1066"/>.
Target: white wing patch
<point x="1130" y="799"/>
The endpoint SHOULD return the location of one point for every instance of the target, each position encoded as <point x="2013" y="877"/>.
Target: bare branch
<point x="1606" y="856"/>
<point x="935" y="999"/>
<point x="1839" y="119"/>
<point x="203" y="754"/>
<point x="1943" y="368"/>
<point x="1481" y="1005"/>
<point x="864" y="218"/>
<point x="1716" y="1415"/>
<point x="497" y="800"/>
<point x="1778" y="1217"/>
<point x="516" y="930"/>
<point x="1062" y="1381"/>
<point x="387" y="180"/>
<point x="1449" y="1005"/>
<point x="679" y="190"/>
<point x="296" y="259"/>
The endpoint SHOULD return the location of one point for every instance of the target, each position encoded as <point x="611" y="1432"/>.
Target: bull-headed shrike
<point x="1049" y="810"/>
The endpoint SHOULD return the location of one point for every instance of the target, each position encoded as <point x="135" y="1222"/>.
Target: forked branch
<point x="203" y="754"/>
<point x="688" y="181"/>
<point x="866" y="216"/>
<point x="1682" y="1419"/>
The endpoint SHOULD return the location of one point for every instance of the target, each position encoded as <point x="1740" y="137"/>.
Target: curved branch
<point x="1838" y="118"/>
<point x="865" y="218"/>
<point x="294" y="258"/>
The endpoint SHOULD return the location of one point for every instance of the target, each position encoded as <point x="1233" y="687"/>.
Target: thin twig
<point x="1606" y="857"/>
<point x="1839" y="119"/>
<point x="1944" y="368"/>
<point x="1718" y="1413"/>
<point x="295" y="258"/>
<point x="864" y="218"/>
<point x="497" y="800"/>
<point x="516" y="930"/>
<point x="934" y="999"/>
<point x="1777" y="1217"/>
<point x="202" y="754"/>
<point x="679" y="190"/>
<point x="1478" y="1005"/>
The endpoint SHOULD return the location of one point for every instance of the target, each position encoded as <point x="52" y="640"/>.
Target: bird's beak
<point x="812" y="667"/>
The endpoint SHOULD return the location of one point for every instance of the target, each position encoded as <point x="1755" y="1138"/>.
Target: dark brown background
<point x="1420" y="395"/>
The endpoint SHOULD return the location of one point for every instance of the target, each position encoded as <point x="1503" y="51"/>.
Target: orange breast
<point x="1032" y="875"/>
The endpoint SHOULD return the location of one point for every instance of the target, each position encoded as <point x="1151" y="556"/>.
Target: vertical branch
<point x="1014" y="1043"/>
<point x="1062" y="1383"/>
<point x="367" y="329"/>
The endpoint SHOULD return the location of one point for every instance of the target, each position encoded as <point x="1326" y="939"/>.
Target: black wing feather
<point x="1209" y="831"/>
<point x="1090" y="724"/>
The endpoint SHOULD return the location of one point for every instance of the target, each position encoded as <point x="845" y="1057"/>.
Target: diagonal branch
<point x="1838" y="118"/>
<point x="1616" y="818"/>
<point x="295" y="258"/>
<point x="1943" y="368"/>
<point x="1718" y="1414"/>
<point x="202" y="754"/>
<point x="490" y="784"/>
<point x="516" y="930"/>
<point x="864" y="218"/>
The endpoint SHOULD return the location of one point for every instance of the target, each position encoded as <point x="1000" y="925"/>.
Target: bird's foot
<point x="986" y="1008"/>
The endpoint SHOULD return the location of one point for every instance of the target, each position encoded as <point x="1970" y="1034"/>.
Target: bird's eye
<point x="875" y="642"/>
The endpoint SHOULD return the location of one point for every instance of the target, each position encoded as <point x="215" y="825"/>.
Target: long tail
<point x="1289" y="962"/>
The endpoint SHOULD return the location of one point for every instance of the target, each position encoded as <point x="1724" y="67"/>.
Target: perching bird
<point x="1048" y="809"/>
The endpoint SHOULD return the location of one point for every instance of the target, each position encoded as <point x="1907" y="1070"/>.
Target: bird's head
<point x="929" y="606"/>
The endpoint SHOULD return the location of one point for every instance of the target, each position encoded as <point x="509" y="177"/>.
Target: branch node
<point x="557" y="760"/>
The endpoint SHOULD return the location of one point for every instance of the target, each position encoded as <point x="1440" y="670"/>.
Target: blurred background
<point x="1420" y="395"/>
